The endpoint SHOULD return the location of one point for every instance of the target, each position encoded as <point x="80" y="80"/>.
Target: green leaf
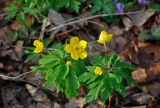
<point x="145" y="35"/>
<point x="84" y="77"/>
<point x="12" y="11"/>
<point x="93" y="92"/>
<point x="29" y="11"/>
<point x="120" y="64"/>
<point x="97" y="60"/>
<point x="155" y="6"/>
<point x="91" y="68"/>
<point x="78" y="67"/>
<point x="156" y="32"/>
<point x="71" y="85"/>
<point x="62" y="72"/>
<point x="106" y="89"/>
<point x="21" y="18"/>
<point x="74" y="5"/>
<point x="50" y="76"/>
<point x="112" y="59"/>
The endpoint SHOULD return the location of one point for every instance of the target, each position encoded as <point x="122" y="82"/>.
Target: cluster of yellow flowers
<point x="77" y="48"/>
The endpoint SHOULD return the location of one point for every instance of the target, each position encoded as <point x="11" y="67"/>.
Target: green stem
<point x="103" y="104"/>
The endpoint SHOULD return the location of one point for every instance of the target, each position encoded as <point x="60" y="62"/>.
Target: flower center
<point x="77" y="49"/>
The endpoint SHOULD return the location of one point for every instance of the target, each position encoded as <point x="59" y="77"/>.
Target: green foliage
<point x="71" y="4"/>
<point x="154" y="5"/>
<point x="57" y="73"/>
<point x="20" y="8"/>
<point x="103" y="6"/>
<point x="115" y="73"/>
<point x="153" y="34"/>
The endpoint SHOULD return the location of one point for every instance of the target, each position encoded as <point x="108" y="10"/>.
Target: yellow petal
<point x="109" y="37"/>
<point x="101" y="41"/>
<point x="68" y="48"/>
<point x="36" y="42"/>
<point x="83" y="54"/>
<point x="74" y="56"/>
<point x="74" y="41"/>
<point x="37" y="50"/>
<point x="103" y="35"/>
<point x="83" y="43"/>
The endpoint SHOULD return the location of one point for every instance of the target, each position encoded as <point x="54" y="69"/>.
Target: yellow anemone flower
<point x="38" y="46"/>
<point x="104" y="37"/>
<point x="98" y="71"/>
<point x="69" y="63"/>
<point x="76" y="48"/>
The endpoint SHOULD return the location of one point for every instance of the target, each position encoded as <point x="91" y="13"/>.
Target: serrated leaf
<point x="48" y="59"/>
<point x="29" y="11"/>
<point x="62" y="72"/>
<point x="50" y="76"/>
<point x="91" y="68"/>
<point x="71" y="85"/>
<point x="107" y="88"/>
<point x="84" y="77"/>
<point x="93" y="93"/>
<point x="120" y="64"/>
<point x="75" y="5"/>
<point x="97" y="60"/>
<point x="21" y="18"/>
<point x="112" y="59"/>
<point x="78" y="67"/>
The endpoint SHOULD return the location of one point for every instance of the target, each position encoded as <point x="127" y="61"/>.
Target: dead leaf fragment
<point x="139" y="19"/>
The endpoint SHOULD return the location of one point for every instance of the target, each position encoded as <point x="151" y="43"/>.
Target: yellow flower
<point x="98" y="71"/>
<point x="104" y="37"/>
<point x="69" y="63"/>
<point x="76" y="48"/>
<point x="39" y="46"/>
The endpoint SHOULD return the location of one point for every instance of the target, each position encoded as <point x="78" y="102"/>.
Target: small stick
<point x="92" y="17"/>
<point x="5" y="77"/>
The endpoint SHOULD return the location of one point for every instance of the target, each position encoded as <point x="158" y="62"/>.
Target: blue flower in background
<point x="142" y="2"/>
<point x="120" y="7"/>
<point x="119" y="11"/>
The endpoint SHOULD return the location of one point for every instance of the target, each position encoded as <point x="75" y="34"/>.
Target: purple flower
<point x="119" y="11"/>
<point x="158" y="23"/>
<point x="120" y="6"/>
<point x="142" y="2"/>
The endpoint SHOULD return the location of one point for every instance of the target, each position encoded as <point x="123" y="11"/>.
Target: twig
<point x="14" y="78"/>
<point x="92" y="17"/>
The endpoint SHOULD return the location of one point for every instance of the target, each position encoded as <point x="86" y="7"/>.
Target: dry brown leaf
<point x="139" y="19"/>
<point x="153" y="88"/>
<point x="130" y="53"/>
<point x="4" y="38"/>
<point x="16" y="24"/>
<point x="152" y="49"/>
<point x="140" y="75"/>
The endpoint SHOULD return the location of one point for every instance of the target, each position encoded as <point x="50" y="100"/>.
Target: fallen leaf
<point x="140" y="75"/>
<point x="139" y="19"/>
<point x="4" y="38"/>
<point x="153" y="88"/>
<point x="151" y="49"/>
